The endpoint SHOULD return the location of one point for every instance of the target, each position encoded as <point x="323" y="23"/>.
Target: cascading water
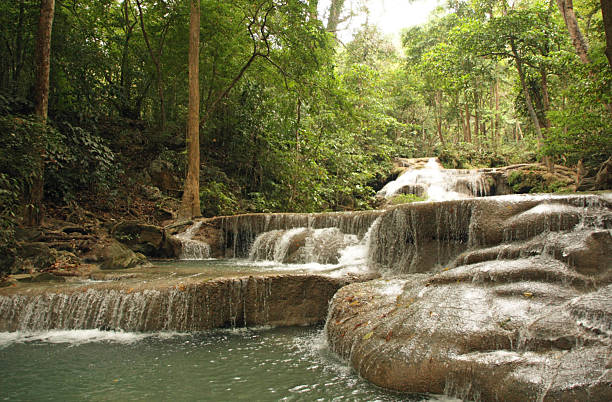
<point x="302" y="245"/>
<point x="493" y="283"/>
<point x="193" y="249"/>
<point x="186" y="304"/>
<point x="438" y="184"/>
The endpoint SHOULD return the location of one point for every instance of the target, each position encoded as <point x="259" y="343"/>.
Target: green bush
<point x="216" y="199"/>
<point x="526" y="182"/>
<point x="77" y="160"/>
<point x="74" y="159"/>
<point x="405" y="199"/>
<point x="467" y="156"/>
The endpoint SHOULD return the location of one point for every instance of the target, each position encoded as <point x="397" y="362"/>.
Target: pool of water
<point x="266" y="364"/>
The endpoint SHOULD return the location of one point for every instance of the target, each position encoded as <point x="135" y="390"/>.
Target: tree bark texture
<point x="566" y="7"/>
<point x="190" y="203"/>
<point x="606" y="11"/>
<point x="43" y="61"/>
<point x="33" y="213"/>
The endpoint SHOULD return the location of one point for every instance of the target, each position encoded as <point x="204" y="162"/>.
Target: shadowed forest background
<point x="291" y="119"/>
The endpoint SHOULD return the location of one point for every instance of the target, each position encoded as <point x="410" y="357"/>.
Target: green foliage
<point x="523" y="182"/>
<point x="526" y="182"/>
<point x="77" y="160"/>
<point x="17" y="164"/>
<point x="467" y="156"/>
<point x="216" y="199"/>
<point x="582" y="129"/>
<point x="309" y="125"/>
<point x="9" y="207"/>
<point x="405" y="199"/>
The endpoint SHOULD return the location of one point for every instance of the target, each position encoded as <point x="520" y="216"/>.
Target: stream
<point x="463" y="283"/>
<point x="263" y="364"/>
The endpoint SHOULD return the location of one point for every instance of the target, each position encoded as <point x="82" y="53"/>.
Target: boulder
<point x="114" y="255"/>
<point x="146" y="239"/>
<point x="36" y="254"/>
<point x="514" y="305"/>
<point x="162" y="175"/>
<point x="479" y="337"/>
<point x="603" y="178"/>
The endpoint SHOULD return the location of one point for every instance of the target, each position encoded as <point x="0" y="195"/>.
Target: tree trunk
<point x="567" y="11"/>
<point x="43" y="60"/>
<point x="124" y="105"/>
<point x="463" y="129"/>
<point x="156" y="58"/>
<point x="468" y="128"/>
<point x="19" y="48"/>
<point x="606" y="12"/>
<point x="438" y="117"/>
<point x="496" y="134"/>
<point x="528" y="100"/>
<point x="190" y="203"/>
<point x="545" y="98"/>
<point x="335" y="9"/>
<point x="476" y="118"/>
<point x="33" y="213"/>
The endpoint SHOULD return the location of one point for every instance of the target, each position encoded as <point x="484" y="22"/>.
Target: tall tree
<point x="33" y="211"/>
<point x="156" y="58"/>
<point x="190" y="203"/>
<point x="333" y="20"/>
<point x="567" y="11"/>
<point x="606" y="12"/>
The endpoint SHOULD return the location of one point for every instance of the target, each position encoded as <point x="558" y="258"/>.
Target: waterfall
<point x="281" y="300"/>
<point x="239" y="233"/>
<point x="302" y="245"/>
<point x="438" y="184"/>
<point x="426" y="237"/>
<point x="193" y="249"/>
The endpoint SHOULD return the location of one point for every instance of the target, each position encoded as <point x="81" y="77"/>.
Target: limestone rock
<point x="188" y="304"/>
<point x="513" y="302"/>
<point x="39" y="255"/>
<point x="162" y="175"/>
<point x="476" y="338"/>
<point x="114" y="255"/>
<point x="146" y="239"/>
<point x="603" y="179"/>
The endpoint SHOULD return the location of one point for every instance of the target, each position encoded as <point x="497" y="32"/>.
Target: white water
<point x="193" y="249"/>
<point x="312" y="250"/>
<point x="437" y="183"/>
<point x="79" y="336"/>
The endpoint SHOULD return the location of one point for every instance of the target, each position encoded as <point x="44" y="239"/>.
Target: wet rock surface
<point x="515" y="305"/>
<point x="188" y="304"/>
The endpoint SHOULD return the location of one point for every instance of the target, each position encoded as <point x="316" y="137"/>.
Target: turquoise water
<point x="273" y="364"/>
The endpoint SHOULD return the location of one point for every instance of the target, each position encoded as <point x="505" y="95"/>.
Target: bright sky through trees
<point x="391" y="16"/>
